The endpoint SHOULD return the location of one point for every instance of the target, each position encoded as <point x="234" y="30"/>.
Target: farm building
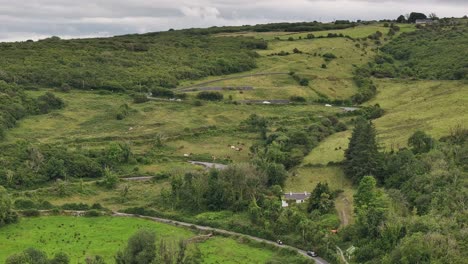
<point x="297" y="197"/>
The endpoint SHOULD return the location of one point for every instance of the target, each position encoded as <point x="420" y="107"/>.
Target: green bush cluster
<point x="415" y="57"/>
<point x="131" y="62"/>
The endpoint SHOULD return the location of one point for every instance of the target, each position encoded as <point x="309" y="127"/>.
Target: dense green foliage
<point x="362" y="156"/>
<point x="15" y="104"/>
<point x="35" y="256"/>
<point x="398" y="225"/>
<point x="275" y="27"/>
<point x="126" y="62"/>
<point x="7" y="215"/>
<point x="435" y="52"/>
<point x="142" y="249"/>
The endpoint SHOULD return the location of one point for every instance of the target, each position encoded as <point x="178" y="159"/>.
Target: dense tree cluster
<point x="412" y="54"/>
<point x="16" y="104"/>
<point x="141" y="249"/>
<point x="26" y="164"/>
<point x="35" y="256"/>
<point x="275" y="27"/>
<point x="423" y="183"/>
<point x="138" y="62"/>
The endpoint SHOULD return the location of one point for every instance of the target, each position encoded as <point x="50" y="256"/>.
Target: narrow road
<point x="342" y="255"/>
<point x="209" y="165"/>
<point x="140" y="178"/>
<point x="317" y="260"/>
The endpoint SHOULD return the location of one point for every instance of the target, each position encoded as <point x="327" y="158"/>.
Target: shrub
<point x="162" y="92"/>
<point x="303" y="82"/>
<point x="24" y="204"/>
<point x="297" y="99"/>
<point x="296" y="50"/>
<point x="48" y="102"/>
<point x="92" y="213"/>
<point x="75" y="206"/>
<point x="329" y="56"/>
<point x="139" y="99"/>
<point x="324" y="66"/>
<point x="31" y="212"/>
<point x="210" y="96"/>
<point x="97" y="206"/>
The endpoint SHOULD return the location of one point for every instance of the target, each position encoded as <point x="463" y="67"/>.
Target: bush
<point x="329" y="56"/>
<point x="162" y="92"/>
<point x="210" y="96"/>
<point x="303" y="82"/>
<point x="75" y="206"/>
<point x="92" y="213"/>
<point x="48" y="102"/>
<point x="324" y="66"/>
<point x="297" y="99"/>
<point x="24" y="204"/>
<point x="139" y="99"/>
<point x="97" y="206"/>
<point x="31" y="212"/>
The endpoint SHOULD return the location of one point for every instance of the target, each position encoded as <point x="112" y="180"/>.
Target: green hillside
<point x="368" y="118"/>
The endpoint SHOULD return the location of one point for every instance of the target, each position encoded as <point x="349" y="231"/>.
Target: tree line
<point x="401" y="192"/>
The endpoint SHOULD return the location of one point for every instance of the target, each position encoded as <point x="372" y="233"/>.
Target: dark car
<point x="312" y="253"/>
<point x="279" y="242"/>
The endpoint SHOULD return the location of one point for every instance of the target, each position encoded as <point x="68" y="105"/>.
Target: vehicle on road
<point x="311" y="253"/>
<point x="279" y="242"/>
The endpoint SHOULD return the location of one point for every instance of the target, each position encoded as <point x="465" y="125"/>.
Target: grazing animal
<point x="186" y="155"/>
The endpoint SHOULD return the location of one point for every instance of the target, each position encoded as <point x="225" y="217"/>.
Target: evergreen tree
<point x="362" y="156"/>
<point x="321" y="199"/>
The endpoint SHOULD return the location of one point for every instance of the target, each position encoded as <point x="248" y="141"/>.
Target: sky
<point x="21" y="20"/>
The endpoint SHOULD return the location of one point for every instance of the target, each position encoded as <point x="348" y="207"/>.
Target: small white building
<point x="296" y="197"/>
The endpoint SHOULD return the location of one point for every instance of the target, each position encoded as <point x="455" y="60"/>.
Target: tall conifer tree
<point x="362" y="156"/>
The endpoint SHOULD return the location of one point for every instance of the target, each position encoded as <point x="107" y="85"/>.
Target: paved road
<point x="317" y="260"/>
<point x="209" y="165"/>
<point x="140" y="178"/>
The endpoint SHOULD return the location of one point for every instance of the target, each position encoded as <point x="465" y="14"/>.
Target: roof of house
<point x="296" y="196"/>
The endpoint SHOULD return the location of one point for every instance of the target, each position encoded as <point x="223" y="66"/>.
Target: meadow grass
<point x="335" y="81"/>
<point x="80" y="237"/>
<point x="432" y="106"/>
<point x="88" y="121"/>
<point x="360" y="31"/>
<point x="329" y="150"/>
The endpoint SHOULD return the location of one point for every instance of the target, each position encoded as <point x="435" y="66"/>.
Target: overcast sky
<point x="36" y="19"/>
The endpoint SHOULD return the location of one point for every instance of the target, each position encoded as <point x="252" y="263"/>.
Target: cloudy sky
<point x="36" y="19"/>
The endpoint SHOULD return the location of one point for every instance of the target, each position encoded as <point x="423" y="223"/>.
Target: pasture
<point x="433" y="106"/>
<point x="80" y="237"/>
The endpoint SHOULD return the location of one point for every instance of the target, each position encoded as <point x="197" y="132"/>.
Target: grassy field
<point x="88" y="121"/>
<point x="80" y="237"/>
<point x="432" y="106"/>
<point x="355" y="32"/>
<point x="335" y="81"/>
<point x="330" y="150"/>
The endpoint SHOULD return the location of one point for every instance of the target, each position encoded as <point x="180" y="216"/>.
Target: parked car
<point x="311" y="253"/>
<point x="279" y="242"/>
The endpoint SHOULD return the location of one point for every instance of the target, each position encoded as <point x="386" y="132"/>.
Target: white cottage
<point x="297" y="197"/>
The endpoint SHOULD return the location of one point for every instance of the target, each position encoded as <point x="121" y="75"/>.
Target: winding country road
<point x="317" y="260"/>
